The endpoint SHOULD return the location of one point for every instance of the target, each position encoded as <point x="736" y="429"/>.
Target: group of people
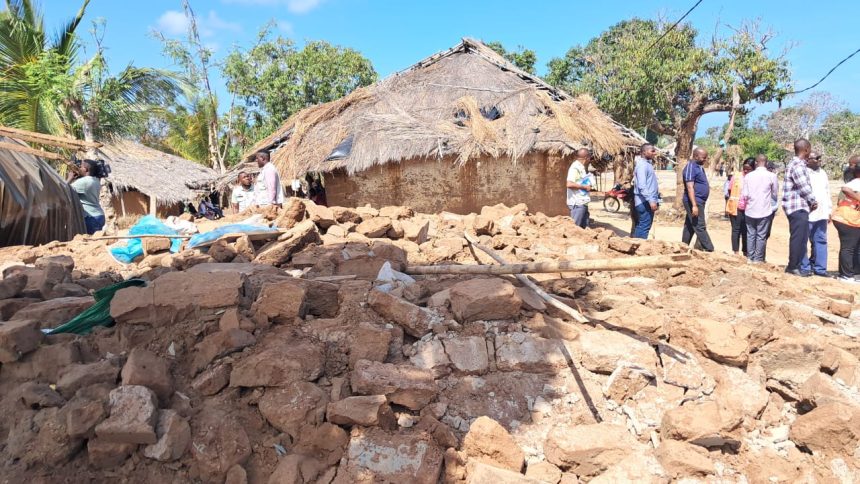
<point x="752" y="200"/>
<point x="265" y="189"/>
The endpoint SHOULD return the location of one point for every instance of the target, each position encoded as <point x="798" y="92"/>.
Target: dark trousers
<point x="642" y="220"/>
<point x="579" y="214"/>
<point x="94" y="224"/>
<point x="798" y="228"/>
<point x="769" y="228"/>
<point x="849" y="245"/>
<point x="739" y="232"/>
<point x="757" y="237"/>
<point x="696" y="225"/>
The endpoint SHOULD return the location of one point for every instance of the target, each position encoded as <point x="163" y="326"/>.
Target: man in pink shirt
<point x="759" y="193"/>
<point x="269" y="190"/>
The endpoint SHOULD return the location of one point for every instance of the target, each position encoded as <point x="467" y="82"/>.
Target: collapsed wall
<point x="291" y="362"/>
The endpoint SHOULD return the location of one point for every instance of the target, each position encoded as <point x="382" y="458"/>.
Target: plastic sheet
<point x="148" y="225"/>
<point x="98" y="314"/>
<point x="213" y="235"/>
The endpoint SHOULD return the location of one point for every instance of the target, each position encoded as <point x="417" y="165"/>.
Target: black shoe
<point x="797" y="272"/>
<point x="823" y="274"/>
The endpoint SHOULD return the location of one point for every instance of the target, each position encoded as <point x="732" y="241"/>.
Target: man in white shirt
<point x="242" y="196"/>
<point x="578" y="187"/>
<point x="818" y="218"/>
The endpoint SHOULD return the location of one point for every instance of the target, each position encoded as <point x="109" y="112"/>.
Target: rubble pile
<point x="312" y="358"/>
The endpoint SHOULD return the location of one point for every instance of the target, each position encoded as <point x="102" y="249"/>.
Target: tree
<point x="34" y="67"/>
<point x="802" y="120"/>
<point x="838" y="139"/>
<point x="99" y="105"/>
<point x="274" y="79"/>
<point x="667" y="85"/>
<point x="523" y="58"/>
<point x="195" y="59"/>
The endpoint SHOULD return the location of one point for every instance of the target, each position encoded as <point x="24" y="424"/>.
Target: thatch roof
<point x="36" y="204"/>
<point x="444" y="106"/>
<point x="167" y="177"/>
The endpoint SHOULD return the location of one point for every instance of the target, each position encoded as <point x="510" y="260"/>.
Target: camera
<point x="99" y="168"/>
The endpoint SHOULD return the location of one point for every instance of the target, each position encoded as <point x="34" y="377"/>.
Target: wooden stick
<point x="47" y="139"/>
<point x="148" y="236"/>
<point x="573" y="313"/>
<point x="48" y="155"/>
<point x="621" y="264"/>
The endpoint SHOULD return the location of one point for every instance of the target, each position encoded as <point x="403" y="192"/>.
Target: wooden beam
<point x="47" y="139"/>
<point x="620" y="264"/>
<point x="31" y="151"/>
<point x="573" y="313"/>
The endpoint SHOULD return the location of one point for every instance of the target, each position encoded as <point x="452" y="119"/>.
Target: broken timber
<point x="620" y="264"/>
<point x="573" y="313"/>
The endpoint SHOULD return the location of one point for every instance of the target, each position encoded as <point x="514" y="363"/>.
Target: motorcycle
<point x="613" y="198"/>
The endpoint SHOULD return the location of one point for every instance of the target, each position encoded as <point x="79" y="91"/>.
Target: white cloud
<point x="173" y="22"/>
<point x="286" y="27"/>
<point x="294" y="6"/>
<point x="302" y="6"/>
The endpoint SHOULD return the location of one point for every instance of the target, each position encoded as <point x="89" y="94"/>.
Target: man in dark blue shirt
<point x="696" y="191"/>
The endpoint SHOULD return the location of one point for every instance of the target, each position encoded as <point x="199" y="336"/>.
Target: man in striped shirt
<point x="797" y="201"/>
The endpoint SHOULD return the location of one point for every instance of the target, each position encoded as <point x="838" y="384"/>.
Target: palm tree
<point x="43" y="88"/>
<point x="33" y="66"/>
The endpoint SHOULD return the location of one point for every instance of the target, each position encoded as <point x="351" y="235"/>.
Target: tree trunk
<point x="214" y="154"/>
<point x="683" y="150"/>
<point x="719" y="157"/>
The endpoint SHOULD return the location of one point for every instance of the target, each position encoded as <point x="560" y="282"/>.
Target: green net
<point x="99" y="313"/>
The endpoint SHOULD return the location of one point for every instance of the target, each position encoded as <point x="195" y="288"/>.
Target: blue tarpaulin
<point x="214" y="235"/>
<point x="148" y="225"/>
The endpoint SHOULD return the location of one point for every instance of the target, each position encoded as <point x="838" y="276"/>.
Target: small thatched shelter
<point x="144" y="180"/>
<point x="461" y="129"/>
<point x="36" y="204"/>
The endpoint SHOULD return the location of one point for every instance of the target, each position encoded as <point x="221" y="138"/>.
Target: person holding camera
<point x="88" y="186"/>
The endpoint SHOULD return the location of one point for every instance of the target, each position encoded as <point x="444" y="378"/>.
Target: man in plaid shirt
<point x="797" y="201"/>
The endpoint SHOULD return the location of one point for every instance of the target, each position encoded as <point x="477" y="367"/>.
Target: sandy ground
<point x="719" y="227"/>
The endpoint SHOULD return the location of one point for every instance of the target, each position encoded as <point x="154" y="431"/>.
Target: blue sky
<point x="395" y="34"/>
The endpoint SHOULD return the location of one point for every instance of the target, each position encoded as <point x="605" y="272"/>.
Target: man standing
<point x="87" y="187"/>
<point x="818" y="218"/>
<point x="577" y="189"/>
<point x="696" y="192"/>
<point x="645" y="193"/>
<point x="848" y="172"/>
<point x="269" y="190"/>
<point x="758" y="196"/>
<point x="797" y="201"/>
<point x="242" y="196"/>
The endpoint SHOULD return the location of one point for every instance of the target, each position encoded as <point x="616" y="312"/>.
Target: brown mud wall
<point x="440" y="185"/>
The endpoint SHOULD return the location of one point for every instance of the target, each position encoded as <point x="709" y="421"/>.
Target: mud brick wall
<point x="441" y="185"/>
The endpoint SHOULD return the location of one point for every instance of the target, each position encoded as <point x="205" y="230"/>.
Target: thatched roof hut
<point x="460" y="108"/>
<point x="164" y="180"/>
<point x="36" y="204"/>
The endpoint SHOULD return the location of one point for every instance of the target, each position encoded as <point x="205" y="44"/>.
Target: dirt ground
<point x="719" y="227"/>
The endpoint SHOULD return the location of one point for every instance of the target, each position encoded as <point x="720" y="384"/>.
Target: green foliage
<point x="757" y="141"/>
<point x="838" y="139"/>
<point x="523" y="58"/>
<point x="34" y="67"/>
<point x="274" y="79"/>
<point x="668" y="87"/>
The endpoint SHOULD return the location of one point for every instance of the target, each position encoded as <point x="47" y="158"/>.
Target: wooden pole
<point x="148" y="236"/>
<point x="573" y="313"/>
<point x="620" y="264"/>
<point x="47" y="139"/>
